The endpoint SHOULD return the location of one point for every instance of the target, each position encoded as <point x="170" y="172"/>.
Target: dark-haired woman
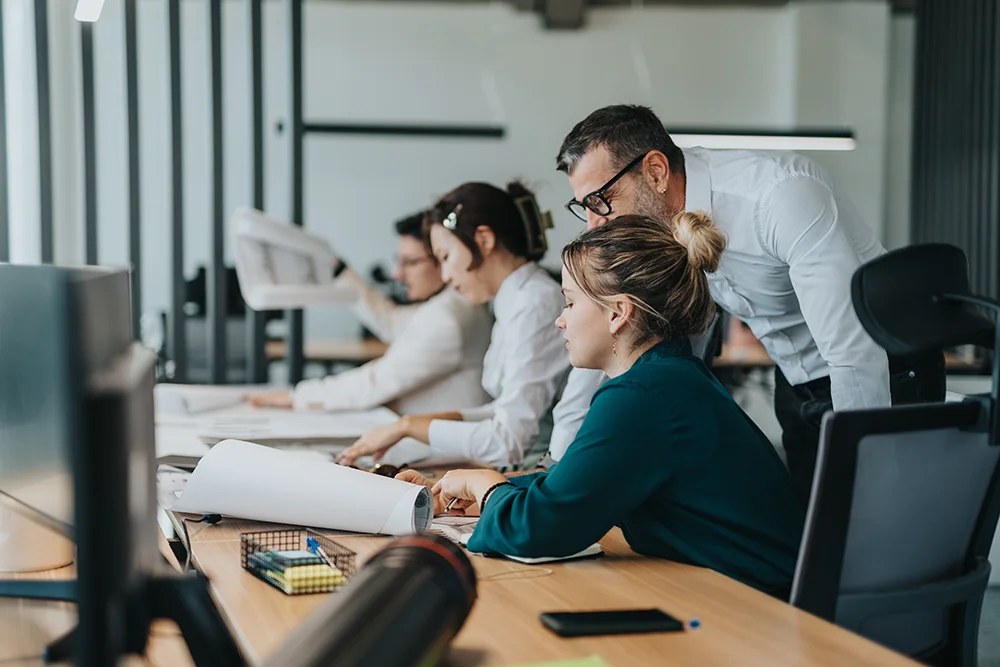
<point x="488" y="241"/>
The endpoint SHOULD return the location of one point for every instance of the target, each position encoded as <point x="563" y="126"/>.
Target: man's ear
<point x="656" y="171"/>
<point x="621" y="312"/>
<point x="485" y="239"/>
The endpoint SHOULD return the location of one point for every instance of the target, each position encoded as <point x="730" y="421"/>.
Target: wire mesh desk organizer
<point x="296" y="562"/>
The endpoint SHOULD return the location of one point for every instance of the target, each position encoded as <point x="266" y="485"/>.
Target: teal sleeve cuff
<point x="479" y="541"/>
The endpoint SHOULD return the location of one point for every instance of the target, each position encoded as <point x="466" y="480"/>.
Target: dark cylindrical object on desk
<point x="400" y="610"/>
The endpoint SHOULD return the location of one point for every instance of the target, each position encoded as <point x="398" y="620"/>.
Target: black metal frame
<point x="408" y="130"/>
<point x="89" y="143"/>
<point x="294" y="356"/>
<point x="178" y="297"/>
<point x="256" y="357"/>
<point x="4" y="184"/>
<point x="134" y="196"/>
<point x="216" y="288"/>
<point x="44" y="130"/>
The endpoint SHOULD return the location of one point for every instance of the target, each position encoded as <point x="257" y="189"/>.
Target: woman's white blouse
<point x="525" y="370"/>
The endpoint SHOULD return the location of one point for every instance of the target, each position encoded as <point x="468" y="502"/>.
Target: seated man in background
<point x="436" y="345"/>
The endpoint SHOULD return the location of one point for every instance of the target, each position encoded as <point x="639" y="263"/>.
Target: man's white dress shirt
<point x="794" y="241"/>
<point x="525" y="369"/>
<point x="434" y="361"/>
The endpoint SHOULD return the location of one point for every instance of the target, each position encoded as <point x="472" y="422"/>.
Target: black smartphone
<point x="626" y="621"/>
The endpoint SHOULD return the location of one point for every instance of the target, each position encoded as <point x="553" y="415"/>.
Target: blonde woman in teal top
<point x="664" y="453"/>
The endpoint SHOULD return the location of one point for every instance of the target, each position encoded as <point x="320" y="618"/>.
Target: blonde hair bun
<point x="704" y="241"/>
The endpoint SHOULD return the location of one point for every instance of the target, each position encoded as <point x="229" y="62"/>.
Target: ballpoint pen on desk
<point x="313" y="546"/>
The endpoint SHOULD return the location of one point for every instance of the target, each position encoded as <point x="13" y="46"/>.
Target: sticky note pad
<point x="305" y="577"/>
<point x="592" y="661"/>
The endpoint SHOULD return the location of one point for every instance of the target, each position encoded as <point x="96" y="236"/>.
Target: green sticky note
<point x="592" y="661"/>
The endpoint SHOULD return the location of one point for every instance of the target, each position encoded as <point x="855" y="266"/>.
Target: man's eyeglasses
<point x="410" y="262"/>
<point x="595" y="201"/>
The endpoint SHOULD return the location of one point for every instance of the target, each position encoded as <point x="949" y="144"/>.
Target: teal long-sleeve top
<point x="667" y="455"/>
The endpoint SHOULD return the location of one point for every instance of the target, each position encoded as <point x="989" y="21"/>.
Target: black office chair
<point x="906" y="500"/>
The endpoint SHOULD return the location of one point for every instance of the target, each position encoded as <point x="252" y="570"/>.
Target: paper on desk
<point x="285" y="426"/>
<point x="241" y="479"/>
<point x="193" y="399"/>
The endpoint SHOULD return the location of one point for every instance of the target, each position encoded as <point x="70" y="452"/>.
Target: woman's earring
<point x="614" y="344"/>
<point x="663" y="191"/>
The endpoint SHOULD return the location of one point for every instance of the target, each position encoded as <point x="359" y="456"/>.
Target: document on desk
<point x="194" y="399"/>
<point x="270" y="426"/>
<point x="249" y="481"/>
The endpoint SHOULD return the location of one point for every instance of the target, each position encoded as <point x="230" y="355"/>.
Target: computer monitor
<point x="60" y="327"/>
<point x="77" y="440"/>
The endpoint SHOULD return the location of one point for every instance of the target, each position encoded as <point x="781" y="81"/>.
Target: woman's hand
<point x="375" y="442"/>
<point x="271" y="399"/>
<point x="466" y="487"/>
<point x="414" y="477"/>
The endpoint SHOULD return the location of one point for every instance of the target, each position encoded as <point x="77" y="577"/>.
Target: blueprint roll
<point x="400" y="610"/>
<point x="250" y="481"/>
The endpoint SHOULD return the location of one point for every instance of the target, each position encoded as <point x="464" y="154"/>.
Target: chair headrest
<point x="898" y="298"/>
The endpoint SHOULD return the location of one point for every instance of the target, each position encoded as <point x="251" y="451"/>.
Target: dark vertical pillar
<point x="256" y="358"/>
<point x="956" y="143"/>
<point x="44" y="128"/>
<point x="134" y="197"/>
<point x="178" y="319"/>
<point x="217" y="270"/>
<point x="4" y="206"/>
<point x="89" y="143"/>
<point x="294" y="352"/>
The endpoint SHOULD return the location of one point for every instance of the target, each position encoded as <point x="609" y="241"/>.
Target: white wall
<point x="815" y="63"/>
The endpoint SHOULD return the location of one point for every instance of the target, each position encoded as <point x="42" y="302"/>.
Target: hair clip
<point x="452" y="218"/>
<point x="527" y="206"/>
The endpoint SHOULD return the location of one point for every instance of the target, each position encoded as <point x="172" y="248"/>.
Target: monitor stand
<point x="183" y="599"/>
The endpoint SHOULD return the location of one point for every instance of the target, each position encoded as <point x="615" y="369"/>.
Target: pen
<point x="451" y="503"/>
<point x="313" y="546"/>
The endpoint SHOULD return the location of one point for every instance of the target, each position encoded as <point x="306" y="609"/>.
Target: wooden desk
<point x="334" y="351"/>
<point x="740" y="626"/>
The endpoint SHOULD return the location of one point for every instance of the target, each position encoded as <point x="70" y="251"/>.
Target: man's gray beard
<point x="647" y="203"/>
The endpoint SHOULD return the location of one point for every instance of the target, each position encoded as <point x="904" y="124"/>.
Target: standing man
<point x="794" y="243"/>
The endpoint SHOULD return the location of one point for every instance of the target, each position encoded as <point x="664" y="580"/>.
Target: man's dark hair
<point x="626" y="131"/>
<point x="412" y="225"/>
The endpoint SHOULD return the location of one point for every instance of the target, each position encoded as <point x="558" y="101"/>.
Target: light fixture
<point x="796" y="140"/>
<point x="88" y="11"/>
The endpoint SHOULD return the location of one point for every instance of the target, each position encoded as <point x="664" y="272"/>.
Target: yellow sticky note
<point x="592" y="661"/>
